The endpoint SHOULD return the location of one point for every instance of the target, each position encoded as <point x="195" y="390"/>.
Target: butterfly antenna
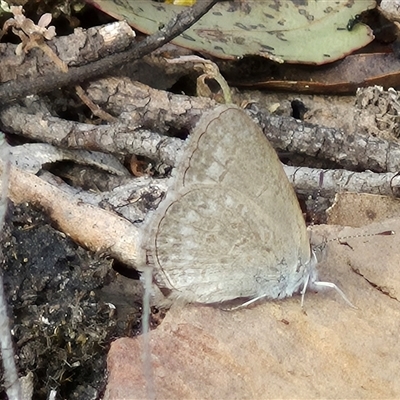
<point x="341" y="239"/>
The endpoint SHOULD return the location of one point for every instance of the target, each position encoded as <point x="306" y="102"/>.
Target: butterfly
<point x="230" y="227"/>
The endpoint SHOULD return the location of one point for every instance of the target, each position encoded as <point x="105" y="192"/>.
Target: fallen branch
<point x="92" y="227"/>
<point x="306" y="181"/>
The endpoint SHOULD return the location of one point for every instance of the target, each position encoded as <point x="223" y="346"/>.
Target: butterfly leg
<point x="333" y="286"/>
<point x="303" y="291"/>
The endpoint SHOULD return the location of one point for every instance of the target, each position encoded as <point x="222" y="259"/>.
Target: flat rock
<point x="274" y="349"/>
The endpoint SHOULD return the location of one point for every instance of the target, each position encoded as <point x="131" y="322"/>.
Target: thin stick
<point x="146" y="355"/>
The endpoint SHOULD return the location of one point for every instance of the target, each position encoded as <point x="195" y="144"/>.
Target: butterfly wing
<point x="230" y="226"/>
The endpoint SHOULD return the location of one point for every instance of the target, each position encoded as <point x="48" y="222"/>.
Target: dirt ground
<point x="64" y="314"/>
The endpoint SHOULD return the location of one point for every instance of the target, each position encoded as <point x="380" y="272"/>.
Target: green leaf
<point x="301" y="31"/>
